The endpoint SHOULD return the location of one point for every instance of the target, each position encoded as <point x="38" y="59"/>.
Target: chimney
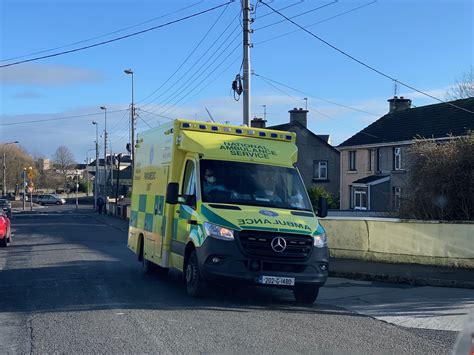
<point x="398" y="104"/>
<point x="258" y="122"/>
<point x="299" y="115"/>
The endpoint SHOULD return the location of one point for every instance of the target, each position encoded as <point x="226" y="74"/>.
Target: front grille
<point x="256" y="243"/>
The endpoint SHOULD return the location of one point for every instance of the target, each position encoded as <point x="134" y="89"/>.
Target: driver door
<point x="184" y="211"/>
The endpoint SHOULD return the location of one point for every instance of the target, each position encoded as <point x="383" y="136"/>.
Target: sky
<point x="182" y="69"/>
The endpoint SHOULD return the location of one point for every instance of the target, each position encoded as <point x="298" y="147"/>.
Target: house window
<point x="397" y="158"/>
<point x="320" y="170"/>
<point x="352" y="160"/>
<point x="369" y="159"/>
<point x="359" y="198"/>
<point x="397" y="197"/>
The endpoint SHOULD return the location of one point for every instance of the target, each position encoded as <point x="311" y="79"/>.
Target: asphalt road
<point x="69" y="284"/>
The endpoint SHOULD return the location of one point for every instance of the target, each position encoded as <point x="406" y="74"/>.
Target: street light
<point x="87" y="171"/>
<point x="105" y="145"/>
<point x="132" y="117"/>
<point x="4" y="187"/>
<point x="96" y="161"/>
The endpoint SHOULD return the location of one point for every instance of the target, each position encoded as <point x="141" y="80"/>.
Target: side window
<point x="189" y="180"/>
<point x="352" y="160"/>
<point x="397" y="158"/>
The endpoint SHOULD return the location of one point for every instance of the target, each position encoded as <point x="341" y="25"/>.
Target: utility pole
<point x="96" y="162"/>
<point x="247" y="45"/>
<point x="77" y="188"/>
<point x="105" y="146"/>
<point x="264" y="112"/>
<point x="132" y="118"/>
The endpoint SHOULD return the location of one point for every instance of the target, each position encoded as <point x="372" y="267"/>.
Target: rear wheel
<point x="306" y="293"/>
<point x="196" y="286"/>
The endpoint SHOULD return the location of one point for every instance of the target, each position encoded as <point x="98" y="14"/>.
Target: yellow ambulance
<point x="225" y="203"/>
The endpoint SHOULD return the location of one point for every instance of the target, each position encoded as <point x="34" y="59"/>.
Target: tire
<point x="146" y="265"/>
<point x="306" y="294"/>
<point x="58" y="203"/>
<point x="196" y="286"/>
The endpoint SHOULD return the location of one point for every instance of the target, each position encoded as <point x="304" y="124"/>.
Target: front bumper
<point x="234" y="265"/>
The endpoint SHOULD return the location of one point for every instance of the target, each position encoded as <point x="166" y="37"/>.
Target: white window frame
<point x="357" y="192"/>
<point x="397" y="158"/>
<point x="318" y="167"/>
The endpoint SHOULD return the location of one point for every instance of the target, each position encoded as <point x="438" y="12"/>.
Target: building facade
<point x="375" y="162"/>
<point x="318" y="161"/>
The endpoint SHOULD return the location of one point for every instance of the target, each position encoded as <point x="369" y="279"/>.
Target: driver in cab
<point x="211" y="185"/>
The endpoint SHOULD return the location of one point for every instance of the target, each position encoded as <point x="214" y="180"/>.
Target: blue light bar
<point x="288" y="138"/>
<point x="274" y="135"/>
<point x="238" y="130"/>
<point x="215" y="128"/>
<point x="202" y="126"/>
<point x="186" y="125"/>
<point x="262" y="134"/>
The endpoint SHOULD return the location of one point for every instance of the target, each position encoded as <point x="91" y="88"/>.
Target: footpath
<point x="412" y="274"/>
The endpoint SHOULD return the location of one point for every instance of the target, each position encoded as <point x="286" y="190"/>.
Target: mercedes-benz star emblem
<point x="278" y="244"/>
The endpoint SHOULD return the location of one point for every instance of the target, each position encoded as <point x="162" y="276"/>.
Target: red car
<point x="5" y="231"/>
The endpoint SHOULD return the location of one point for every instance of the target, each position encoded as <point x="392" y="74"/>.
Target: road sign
<point x="31" y="188"/>
<point x="31" y="175"/>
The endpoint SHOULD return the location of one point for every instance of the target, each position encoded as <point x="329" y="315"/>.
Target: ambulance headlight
<point x="320" y="241"/>
<point x="218" y="232"/>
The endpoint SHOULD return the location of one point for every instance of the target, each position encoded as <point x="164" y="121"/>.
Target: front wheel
<point x="306" y="293"/>
<point x="58" y="203"/>
<point x="196" y="286"/>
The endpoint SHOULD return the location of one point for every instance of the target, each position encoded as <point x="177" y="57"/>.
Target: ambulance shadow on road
<point x="106" y="285"/>
<point x="110" y="285"/>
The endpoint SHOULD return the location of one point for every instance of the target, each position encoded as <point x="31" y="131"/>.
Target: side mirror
<point x="322" y="207"/>
<point x="172" y="193"/>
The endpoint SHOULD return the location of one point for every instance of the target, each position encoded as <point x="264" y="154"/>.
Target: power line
<point x="294" y="98"/>
<point x="281" y="9"/>
<point x="57" y="118"/>
<point x="117" y="38"/>
<point x="189" y="55"/>
<point x="197" y="62"/>
<point x="298" y="15"/>
<point x="208" y="76"/>
<point x="315" y="97"/>
<point x="153" y="113"/>
<point x="361" y="62"/>
<point x="319" y="22"/>
<point x="104" y="35"/>
<point x="179" y="90"/>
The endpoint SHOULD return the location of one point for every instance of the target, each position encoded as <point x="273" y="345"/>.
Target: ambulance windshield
<point x="253" y="184"/>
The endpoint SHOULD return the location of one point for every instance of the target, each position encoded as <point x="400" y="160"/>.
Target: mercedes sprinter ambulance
<point x="225" y="203"/>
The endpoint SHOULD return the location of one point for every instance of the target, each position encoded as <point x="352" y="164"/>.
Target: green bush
<point x="315" y="192"/>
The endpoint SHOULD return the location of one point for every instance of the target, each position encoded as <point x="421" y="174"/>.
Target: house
<point x="318" y="161"/>
<point x="374" y="162"/>
<point x="107" y="181"/>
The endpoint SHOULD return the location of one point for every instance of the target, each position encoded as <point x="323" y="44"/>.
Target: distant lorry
<point x="225" y="203"/>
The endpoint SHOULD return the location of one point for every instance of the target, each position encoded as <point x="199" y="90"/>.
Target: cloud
<point x="47" y="75"/>
<point x="27" y="95"/>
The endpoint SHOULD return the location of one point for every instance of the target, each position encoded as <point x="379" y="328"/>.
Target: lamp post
<point x="24" y="186"/>
<point x="96" y="162"/>
<point x="4" y="187"/>
<point x="132" y="118"/>
<point x="87" y="171"/>
<point x="105" y="145"/>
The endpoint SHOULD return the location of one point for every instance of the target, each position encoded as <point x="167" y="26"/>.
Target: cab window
<point x="189" y="179"/>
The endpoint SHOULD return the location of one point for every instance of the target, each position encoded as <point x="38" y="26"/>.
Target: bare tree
<point x="63" y="161"/>
<point x="463" y="88"/>
<point x="16" y="159"/>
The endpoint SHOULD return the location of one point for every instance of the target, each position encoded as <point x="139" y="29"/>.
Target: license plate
<point x="276" y="280"/>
